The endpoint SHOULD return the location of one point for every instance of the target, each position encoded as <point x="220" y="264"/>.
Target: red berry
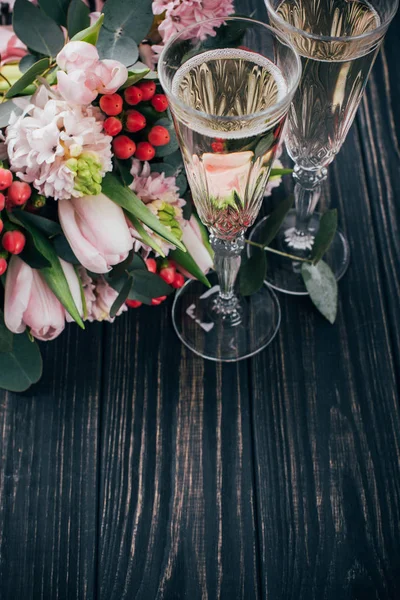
<point x="112" y="126"/>
<point x="2" y="201"/>
<point x="168" y="274"/>
<point x="13" y="241"/>
<point x="157" y="301"/>
<point x="133" y="303"/>
<point x="1" y="225"/>
<point x="148" y="89"/>
<point x="217" y="147"/>
<point x="159" y="136"/>
<point x="178" y="281"/>
<point x="123" y="147"/>
<point x="133" y="95"/>
<point x="19" y="192"/>
<point x="145" y="151"/>
<point x="3" y="266"/>
<point x="135" y="121"/>
<point x="151" y="265"/>
<point x="159" y="102"/>
<point x="111" y="104"/>
<point x="5" y="178"/>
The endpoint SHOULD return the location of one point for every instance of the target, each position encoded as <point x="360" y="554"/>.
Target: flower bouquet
<point x="95" y="213"/>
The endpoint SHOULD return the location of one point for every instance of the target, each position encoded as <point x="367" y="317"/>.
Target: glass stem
<point x="307" y="192"/>
<point x="227" y="264"/>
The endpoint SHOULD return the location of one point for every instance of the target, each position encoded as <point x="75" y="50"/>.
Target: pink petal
<point x="19" y="282"/>
<point x="73" y="89"/>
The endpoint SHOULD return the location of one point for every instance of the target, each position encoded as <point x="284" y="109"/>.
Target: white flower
<point x="47" y="135"/>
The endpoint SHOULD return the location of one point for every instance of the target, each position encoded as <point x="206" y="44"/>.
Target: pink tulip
<point x="96" y="230"/>
<point x="11" y="48"/>
<point x="29" y="302"/>
<point x="193" y="240"/>
<point x="83" y="75"/>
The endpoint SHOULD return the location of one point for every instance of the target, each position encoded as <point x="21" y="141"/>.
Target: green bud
<point x="38" y="201"/>
<point x="88" y="174"/>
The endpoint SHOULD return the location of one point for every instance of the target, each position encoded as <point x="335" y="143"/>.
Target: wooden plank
<point x="176" y="503"/>
<point x="379" y="126"/>
<point x="48" y="475"/>
<point x="327" y="427"/>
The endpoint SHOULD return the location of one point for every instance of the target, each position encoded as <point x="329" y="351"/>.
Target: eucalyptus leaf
<point x="6" y="336"/>
<point x="56" y="10"/>
<point x="28" y="77"/>
<point x="185" y="260"/>
<point x="27" y="62"/>
<point x="325" y="235"/>
<point x="122" y="296"/>
<point x="175" y="159"/>
<point x="127" y="17"/>
<point x="137" y="263"/>
<point x="321" y="284"/>
<point x="22" y="366"/>
<point x="252" y="271"/>
<point x="6" y="109"/>
<point x="128" y="200"/>
<point x="38" y="31"/>
<point x="77" y="17"/>
<point x="149" y="284"/>
<point x="163" y="167"/>
<point x="274" y="221"/>
<point x="117" y="45"/>
<point x="172" y="145"/>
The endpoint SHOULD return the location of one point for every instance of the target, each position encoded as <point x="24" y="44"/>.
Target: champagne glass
<point x="230" y="84"/>
<point x="338" y="41"/>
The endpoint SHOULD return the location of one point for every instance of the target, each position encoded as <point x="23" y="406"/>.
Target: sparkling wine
<point x="228" y="157"/>
<point x="334" y="74"/>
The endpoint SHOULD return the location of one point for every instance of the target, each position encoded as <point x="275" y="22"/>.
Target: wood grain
<point x="176" y="501"/>
<point x="48" y="475"/>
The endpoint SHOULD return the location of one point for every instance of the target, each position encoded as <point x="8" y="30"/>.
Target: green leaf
<point x="64" y="250"/>
<point x="6" y="336"/>
<point x="28" y="77"/>
<point x="36" y="29"/>
<point x="264" y="145"/>
<point x="137" y="263"/>
<point x="91" y="34"/>
<point x="149" y="284"/>
<point x="185" y="260"/>
<point x="6" y="108"/>
<point x="144" y="235"/>
<point x="182" y="183"/>
<point x="123" y="17"/>
<point x="272" y="225"/>
<point x="46" y="226"/>
<point x="172" y="145"/>
<point x="31" y="255"/>
<point x="117" y="45"/>
<point x="176" y="159"/>
<point x="252" y="272"/>
<point x="325" y="235"/>
<point x="56" y="10"/>
<point x="134" y="76"/>
<point x="27" y="62"/>
<point x="122" y="296"/>
<point x="77" y="17"/>
<point x="124" y="168"/>
<point x="321" y="284"/>
<point x="21" y="367"/>
<point x="54" y="274"/>
<point x="163" y="167"/>
<point x="125" y="198"/>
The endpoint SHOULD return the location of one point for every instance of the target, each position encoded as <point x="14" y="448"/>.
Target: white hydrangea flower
<point x="46" y="143"/>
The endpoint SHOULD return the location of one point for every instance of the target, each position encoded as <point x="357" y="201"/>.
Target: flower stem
<point x="268" y="249"/>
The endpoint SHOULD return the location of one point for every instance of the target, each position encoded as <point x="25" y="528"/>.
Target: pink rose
<point x="11" y="48"/>
<point x="227" y="174"/>
<point x="96" y="230"/>
<point x="193" y="239"/>
<point x="83" y="75"/>
<point x="29" y="302"/>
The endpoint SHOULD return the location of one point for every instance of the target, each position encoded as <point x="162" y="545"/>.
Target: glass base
<point x="283" y="274"/>
<point x="214" y="335"/>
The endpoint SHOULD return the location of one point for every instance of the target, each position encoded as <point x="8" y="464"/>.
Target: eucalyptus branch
<point x="268" y="249"/>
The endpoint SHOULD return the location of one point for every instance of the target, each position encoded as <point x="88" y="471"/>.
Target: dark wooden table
<point x="138" y="471"/>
